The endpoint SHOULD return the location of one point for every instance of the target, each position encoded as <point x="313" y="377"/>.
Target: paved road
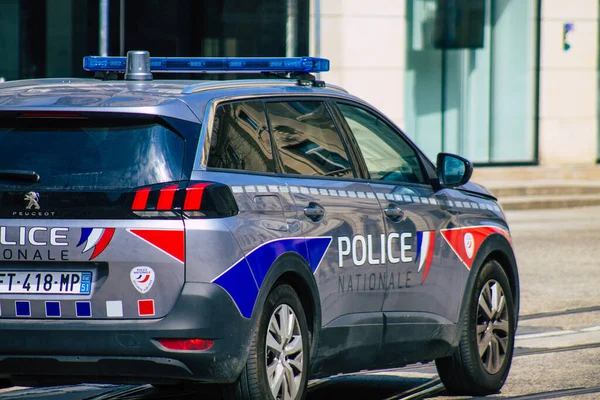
<point x="558" y="344"/>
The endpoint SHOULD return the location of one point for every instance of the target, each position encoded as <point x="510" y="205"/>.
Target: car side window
<point x="240" y="138"/>
<point x="387" y="155"/>
<point x="307" y="139"/>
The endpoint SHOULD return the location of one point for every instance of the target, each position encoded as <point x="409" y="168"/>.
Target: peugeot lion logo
<point x="32" y="198"/>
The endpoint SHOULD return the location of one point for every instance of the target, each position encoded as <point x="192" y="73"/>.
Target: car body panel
<point x="111" y="250"/>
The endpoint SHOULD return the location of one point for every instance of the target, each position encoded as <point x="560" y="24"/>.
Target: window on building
<point x="240" y="138"/>
<point x="474" y="99"/>
<point x="307" y="139"/>
<point x="387" y="155"/>
<point x="49" y="38"/>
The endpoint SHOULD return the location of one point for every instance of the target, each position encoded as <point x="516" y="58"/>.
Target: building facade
<point x="502" y="82"/>
<point x="49" y="38"/>
<point x="526" y="94"/>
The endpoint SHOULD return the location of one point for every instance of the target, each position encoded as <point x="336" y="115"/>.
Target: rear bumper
<point x="126" y="350"/>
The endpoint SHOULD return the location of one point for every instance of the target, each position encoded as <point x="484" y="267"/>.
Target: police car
<point x="250" y="233"/>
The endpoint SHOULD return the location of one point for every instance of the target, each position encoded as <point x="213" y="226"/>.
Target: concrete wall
<point x="568" y="130"/>
<point x="365" y="43"/>
<point x="9" y="29"/>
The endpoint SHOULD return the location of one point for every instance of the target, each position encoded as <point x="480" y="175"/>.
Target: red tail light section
<point x="191" y="200"/>
<point x="165" y="199"/>
<point x="193" y="197"/>
<point x="141" y="199"/>
<point x="186" y="344"/>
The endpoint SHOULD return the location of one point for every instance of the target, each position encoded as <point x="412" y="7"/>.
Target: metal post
<point x="103" y="28"/>
<point x="122" y="28"/>
<point x="291" y="28"/>
<point x="317" y="28"/>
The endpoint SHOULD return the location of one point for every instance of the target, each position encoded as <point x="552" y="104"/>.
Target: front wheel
<point x="482" y="361"/>
<point x="277" y="366"/>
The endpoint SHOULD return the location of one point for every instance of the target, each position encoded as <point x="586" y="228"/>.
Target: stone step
<point x="551" y="201"/>
<point x="539" y="187"/>
<point x="536" y="173"/>
<point x="551" y="189"/>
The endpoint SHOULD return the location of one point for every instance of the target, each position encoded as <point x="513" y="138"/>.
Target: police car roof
<point x="159" y="97"/>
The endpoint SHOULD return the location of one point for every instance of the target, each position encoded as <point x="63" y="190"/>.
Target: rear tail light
<point x="192" y="200"/>
<point x="186" y="344"/>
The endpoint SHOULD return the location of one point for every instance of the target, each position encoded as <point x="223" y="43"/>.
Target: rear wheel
<point x="277" y="366"/>
<point x="482" y="361"/>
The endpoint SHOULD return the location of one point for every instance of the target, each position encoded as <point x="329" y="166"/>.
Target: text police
<point x="394" y="249"/>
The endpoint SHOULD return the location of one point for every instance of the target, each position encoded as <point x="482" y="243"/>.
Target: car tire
<point x="482" y="361"/>
<point x="277" y="358"/>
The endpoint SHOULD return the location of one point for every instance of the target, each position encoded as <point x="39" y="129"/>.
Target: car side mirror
<point x="453" y="170"/>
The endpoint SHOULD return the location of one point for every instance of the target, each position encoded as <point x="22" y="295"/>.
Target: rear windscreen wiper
<point x="19" y="175"/>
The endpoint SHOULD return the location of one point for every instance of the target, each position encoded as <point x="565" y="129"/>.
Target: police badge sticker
<point x="469" y="244"/>
<point x="142" y="278"/>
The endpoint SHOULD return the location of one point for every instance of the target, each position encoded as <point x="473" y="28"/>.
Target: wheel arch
<point x="292" y="269"/>
<point x="463" y="373"/>
<point x="495" y="247"/>
<point x="510" y="268"/>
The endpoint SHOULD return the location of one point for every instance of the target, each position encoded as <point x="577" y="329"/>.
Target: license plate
<point x="45" y="282"/>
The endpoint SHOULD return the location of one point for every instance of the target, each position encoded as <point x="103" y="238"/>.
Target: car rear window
<point x="84" y="154"/>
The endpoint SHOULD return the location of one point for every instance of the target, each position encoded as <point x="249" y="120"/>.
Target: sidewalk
<point x="524" y="188"/>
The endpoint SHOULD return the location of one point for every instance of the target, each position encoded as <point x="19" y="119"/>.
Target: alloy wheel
<point x="284" y="353"/>
<point x="492" y="326"/>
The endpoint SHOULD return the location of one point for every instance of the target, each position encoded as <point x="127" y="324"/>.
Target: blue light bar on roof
<point x="201" y="64"/>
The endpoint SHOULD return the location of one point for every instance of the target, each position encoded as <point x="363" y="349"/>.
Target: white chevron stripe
<point x="94" y="238"/>
<point x="424" y="250"/>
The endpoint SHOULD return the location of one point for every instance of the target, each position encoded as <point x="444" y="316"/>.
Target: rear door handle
<point x="314" y="211"/>
<point x="394" y="212"/>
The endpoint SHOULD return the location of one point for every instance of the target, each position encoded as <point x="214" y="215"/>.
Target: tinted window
<point x="83" y="154"/>
<point x="240" y="138"/>
<point x="307" y="139"/>
<point x="387" y="155"/>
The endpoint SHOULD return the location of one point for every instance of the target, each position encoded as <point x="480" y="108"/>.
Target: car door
<point x="423" y="282"/>
<point x="241" y="156"/>
<point x="332" y="204"/>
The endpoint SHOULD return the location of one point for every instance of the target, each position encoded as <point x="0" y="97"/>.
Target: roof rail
<point x="211" y="85"/>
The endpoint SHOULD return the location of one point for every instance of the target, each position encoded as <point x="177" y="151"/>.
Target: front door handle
<point x="394" y="212"/>
<point x="314" y="211"/>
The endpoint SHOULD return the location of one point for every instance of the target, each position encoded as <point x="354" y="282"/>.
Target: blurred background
<point x="502" y="82"/>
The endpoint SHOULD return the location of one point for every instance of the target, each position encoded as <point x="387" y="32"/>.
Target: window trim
<point x="207" y="116"/>
<point x="427" y="167"/>
<point x="351" y="141"/>
<point x="332" y="99"/>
